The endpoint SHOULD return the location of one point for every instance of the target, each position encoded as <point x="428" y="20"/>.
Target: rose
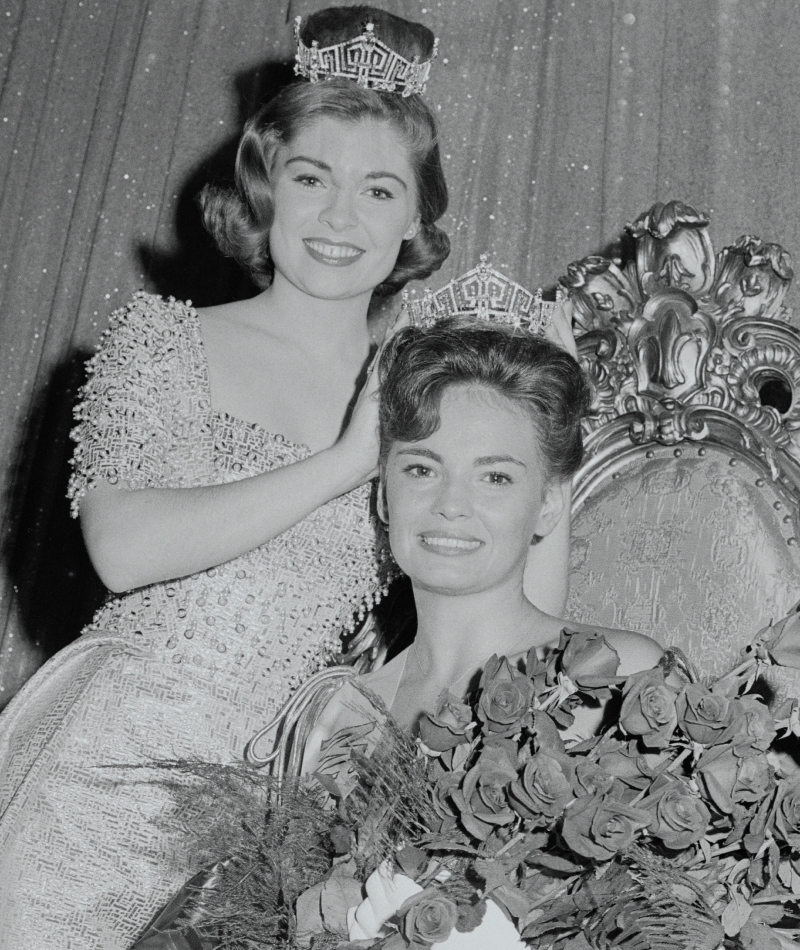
<point x="678" y="817"/>
<point x="427" y="918"/>
<point x="706" y="717"/>
<point x="387" y="892"/>
<point x="545" y="787"/>
<point x="588" y="660"/>
<point x="493" y="930"/>
<point x="599" y="828"/>
<point x="783" y="646"/>
<point x="787" y="812"/>
<point x="481" y="799"/>
<point x="729" y="778"/>
<point x="505" y="697"/>
<point x="448" y="726"/>
<point x="759" y="725"/>
<point x="648" y="708"/>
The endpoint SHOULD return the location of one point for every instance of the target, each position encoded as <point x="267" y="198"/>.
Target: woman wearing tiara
<point x="480" y="436"/>
<point x="222" y="479"/>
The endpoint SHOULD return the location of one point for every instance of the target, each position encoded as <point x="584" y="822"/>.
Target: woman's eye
<point x="382" y="193"/>
<point x="310" y="181"/>
<point x="418" y="471"/>
<point x="498" y="478"/>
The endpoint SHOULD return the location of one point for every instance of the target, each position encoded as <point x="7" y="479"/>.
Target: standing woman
<point x="222" y="479"/>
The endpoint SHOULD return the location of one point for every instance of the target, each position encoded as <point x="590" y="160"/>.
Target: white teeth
<point x="333" y="250"/>
<point x="451" y="542"/>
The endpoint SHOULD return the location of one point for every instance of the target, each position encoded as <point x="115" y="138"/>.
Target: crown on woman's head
<point x="485" y="294"/>
<point x="365" y="60"/>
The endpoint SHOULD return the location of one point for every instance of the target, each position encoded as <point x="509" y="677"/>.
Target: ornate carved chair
<point x="685" y="513"/>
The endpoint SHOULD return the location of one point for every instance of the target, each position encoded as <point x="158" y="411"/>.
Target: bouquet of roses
<point x="677" y="826"/>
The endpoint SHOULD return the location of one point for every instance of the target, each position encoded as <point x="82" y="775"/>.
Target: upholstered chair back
<point x="685" y="515"/>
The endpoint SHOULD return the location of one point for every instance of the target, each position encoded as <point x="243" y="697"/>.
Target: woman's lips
<point x="450" y="545"/>
<point x="334" y="255"/>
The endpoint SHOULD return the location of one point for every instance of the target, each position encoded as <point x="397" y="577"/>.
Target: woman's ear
<point x="553" y="505"/>
<point x="413" y="230"/>
<point x="380" y="501"/>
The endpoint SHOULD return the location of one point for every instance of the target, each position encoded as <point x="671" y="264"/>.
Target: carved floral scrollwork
<point x="669" y="343"/>
<point x="752" y="278"/>
<point x="673" y="249"/>
<point x="686" y="345"/>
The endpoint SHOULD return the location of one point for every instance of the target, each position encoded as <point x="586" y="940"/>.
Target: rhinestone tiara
<point x="485" y="294"/>
<point x="365" y="60"/>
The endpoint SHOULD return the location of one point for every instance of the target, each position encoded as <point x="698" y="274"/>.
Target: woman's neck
<point x="333" y="326"/>
<point x="457" y="634"/>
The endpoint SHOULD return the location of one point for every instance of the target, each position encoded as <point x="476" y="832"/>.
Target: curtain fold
<point x="561" y="121"/>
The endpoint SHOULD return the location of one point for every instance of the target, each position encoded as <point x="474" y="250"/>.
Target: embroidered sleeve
<point x="123" y="416"/>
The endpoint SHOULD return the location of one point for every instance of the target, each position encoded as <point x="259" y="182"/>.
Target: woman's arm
<point x="138" y="537"/>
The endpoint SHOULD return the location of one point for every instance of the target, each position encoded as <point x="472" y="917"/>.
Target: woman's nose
<point x="339" y="212"/>
<point x="453" y="499"/>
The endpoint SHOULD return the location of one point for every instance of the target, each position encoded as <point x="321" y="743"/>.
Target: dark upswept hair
<point x="240" y="219"/>
<point x="419" y="364"/>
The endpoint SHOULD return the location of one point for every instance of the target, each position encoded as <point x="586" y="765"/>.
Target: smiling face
<point x="464" y="504"/>
<point x="345" y="198"/>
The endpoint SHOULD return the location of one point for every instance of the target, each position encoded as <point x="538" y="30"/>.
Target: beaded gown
<point x="189" y="668"/>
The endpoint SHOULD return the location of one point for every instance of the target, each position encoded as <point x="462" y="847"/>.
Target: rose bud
<point x="448" y="726"/>
<point x="588" y="659"/>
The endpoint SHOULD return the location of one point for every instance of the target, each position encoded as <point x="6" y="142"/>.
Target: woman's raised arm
<point x="137" y="532"/>
<point x="140" y="536"/>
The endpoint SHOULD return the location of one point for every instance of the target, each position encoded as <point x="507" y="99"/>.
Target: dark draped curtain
<point x="561" y="120"/>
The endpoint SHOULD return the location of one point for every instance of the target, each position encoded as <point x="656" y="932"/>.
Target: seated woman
<point x="480" y="435"/>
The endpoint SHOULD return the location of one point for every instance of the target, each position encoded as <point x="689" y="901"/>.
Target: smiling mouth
<point x="336" y="255"/>
<point x="449" y="545"/>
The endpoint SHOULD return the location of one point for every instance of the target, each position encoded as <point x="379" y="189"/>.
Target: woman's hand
<point x="361" y="439"/>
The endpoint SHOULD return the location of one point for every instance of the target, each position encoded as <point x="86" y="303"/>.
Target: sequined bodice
<point x="270" y="617"/>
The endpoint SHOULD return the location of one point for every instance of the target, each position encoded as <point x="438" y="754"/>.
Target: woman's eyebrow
<point x="497" y="460"/>
<point x="373" y="175"/>
<point x="311" y="161"/>
<point x="426" y="453"/>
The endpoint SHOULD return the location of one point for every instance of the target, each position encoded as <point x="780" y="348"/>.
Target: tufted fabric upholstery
<point x="692" y="550"/>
